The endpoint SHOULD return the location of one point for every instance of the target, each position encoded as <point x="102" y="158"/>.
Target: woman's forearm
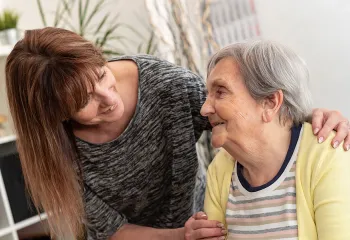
<point x="130" y="231"/>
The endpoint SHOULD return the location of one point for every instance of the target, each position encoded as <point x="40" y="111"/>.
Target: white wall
<point x="319" y="31"/>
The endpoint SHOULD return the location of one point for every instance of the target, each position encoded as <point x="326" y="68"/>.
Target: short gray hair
<point x="267" y="67"/>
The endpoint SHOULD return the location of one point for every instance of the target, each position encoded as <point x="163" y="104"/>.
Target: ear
<point x="271" y="106"/>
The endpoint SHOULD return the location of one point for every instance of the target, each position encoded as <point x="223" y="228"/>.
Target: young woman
<point x="110" y="146"/>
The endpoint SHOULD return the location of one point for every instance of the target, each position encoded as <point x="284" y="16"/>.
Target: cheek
<point x="86" y="114"/>
<point x="222" y="108"/>
<point x="227" y="111"/>
<point x="246" y="110"/>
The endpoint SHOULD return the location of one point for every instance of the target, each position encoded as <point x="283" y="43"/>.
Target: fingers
<point x="214" y="238"/>
<point x="205" y="233"/>
<point x="317" y="120"/>
<point x="331" y="120"/>
<point x="206" y="224"/>
<point x="199" y="227"/>
<point x="331" y="123"/>
<point x="347" y="142"/>
<point x="342" y="132"/>
<point x="200" y="215"/>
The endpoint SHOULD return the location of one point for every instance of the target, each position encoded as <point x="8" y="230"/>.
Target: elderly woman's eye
<point x="220" y="92"/>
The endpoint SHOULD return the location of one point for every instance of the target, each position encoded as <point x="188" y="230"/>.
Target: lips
<point x="110" y="109"/>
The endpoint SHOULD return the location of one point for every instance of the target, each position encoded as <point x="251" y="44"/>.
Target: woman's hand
<point x="199" y="227"/>
<point x="324" y="121"/>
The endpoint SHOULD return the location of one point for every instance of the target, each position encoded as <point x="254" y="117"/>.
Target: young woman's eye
<point x="102" y="76"/>
<point x="88" y="100"/>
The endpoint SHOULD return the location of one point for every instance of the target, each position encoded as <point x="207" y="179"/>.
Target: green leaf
<point x="58" y="14"/>
<point x="41" y="11"/>
<point x="150" y="48"/>
<point x="97" y="42"/>
<point x="102" y="23"/>
<point x="80" y="16"/>
<point x="67" y="6"/>
<point x="108" y="45"/>
<point x="132" y="29"/>
<point x="153" y="50"/>
<point x="66" y="9"/>
<point x="139" y="48"/>
<point x="108" y="33"/>
<point x="150" y="43"/>
<point x="117" y="38"/>
<point x="112" y="52"/>
<point x="68" y="22"/>
<point x="94" y="12"/>
<point x="120" y="41"/>
<point x="87" y="3"/>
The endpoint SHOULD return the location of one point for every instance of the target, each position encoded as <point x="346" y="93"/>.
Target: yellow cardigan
<point x="322" y="188"/>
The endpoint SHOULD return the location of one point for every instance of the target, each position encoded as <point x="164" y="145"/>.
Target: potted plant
<point x="8" y="27"/>
<point x="93" y="21"/>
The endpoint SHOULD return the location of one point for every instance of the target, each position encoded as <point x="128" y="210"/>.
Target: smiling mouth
<point x="113" y="107"/>
<point x="110" y="109"/>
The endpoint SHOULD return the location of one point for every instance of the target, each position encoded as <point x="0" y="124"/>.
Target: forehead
<point x="226" y="71"/>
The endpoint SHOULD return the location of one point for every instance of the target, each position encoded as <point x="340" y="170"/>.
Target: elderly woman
<point x="272" y="179"/>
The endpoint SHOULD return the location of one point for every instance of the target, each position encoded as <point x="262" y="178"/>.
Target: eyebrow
<point x="219" y="81"/>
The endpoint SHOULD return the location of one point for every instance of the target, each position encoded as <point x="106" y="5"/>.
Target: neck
<point x="263" y="157"/>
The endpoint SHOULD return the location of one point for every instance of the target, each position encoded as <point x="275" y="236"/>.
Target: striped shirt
<point x="267" y="211"/>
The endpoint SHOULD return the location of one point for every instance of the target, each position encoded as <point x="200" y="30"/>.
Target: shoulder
<point x="321" y="158"/>
<point x="153" y="63"/>
<point x="168" y="69"/>
<point x="157" y="68"/>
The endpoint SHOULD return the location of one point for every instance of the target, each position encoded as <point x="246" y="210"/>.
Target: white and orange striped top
<point x="268" y="211"/>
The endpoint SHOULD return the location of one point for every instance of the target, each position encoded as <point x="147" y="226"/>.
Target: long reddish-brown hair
<point x="47" y="74"/>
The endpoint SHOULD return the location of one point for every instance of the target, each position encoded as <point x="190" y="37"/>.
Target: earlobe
<point x="272" y="105"/>
<point x="267" y="115"/>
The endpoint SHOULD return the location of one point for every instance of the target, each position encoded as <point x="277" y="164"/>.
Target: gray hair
<point x="267" y="67"/>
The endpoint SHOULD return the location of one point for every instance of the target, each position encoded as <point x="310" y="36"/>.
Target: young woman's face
<point x="104" y="105"/>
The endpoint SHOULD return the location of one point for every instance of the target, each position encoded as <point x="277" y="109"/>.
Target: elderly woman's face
<point x="234" y="115"/>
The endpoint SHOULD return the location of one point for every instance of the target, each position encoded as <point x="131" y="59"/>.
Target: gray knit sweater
<point x="147" y="175"/>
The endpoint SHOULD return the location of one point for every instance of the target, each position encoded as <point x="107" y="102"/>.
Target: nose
<point x="208" y="107"/>
<point x="107" y="96"/>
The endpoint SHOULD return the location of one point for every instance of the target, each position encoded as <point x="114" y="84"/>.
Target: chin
<point x="115" y="116"/>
